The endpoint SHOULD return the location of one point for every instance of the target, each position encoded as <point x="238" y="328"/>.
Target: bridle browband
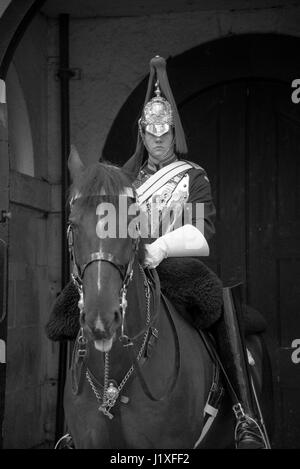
<point x="79" y="270"/>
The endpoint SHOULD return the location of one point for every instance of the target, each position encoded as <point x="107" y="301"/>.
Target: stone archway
<point x="265" y="56"/>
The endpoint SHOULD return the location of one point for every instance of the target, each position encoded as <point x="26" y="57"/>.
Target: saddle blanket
<point x="194" y="289"/>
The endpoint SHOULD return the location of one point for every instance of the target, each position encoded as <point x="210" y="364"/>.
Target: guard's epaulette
<point x="195" y="165"/>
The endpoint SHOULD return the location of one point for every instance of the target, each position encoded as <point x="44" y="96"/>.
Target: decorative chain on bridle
<point x="111" y="391"/>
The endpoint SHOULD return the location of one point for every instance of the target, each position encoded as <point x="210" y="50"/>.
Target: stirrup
<point x="255" y="433"/>
<point x="65" y="442"/>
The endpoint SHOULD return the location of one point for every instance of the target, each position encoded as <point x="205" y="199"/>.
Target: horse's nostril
<point x="117" y="316"/>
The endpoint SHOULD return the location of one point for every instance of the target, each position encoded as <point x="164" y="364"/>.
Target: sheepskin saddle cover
<point x="194" y="289"/>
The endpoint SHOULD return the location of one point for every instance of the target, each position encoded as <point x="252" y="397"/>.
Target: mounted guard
<point x="161" y="134"/>
<point x="174" y="195"/>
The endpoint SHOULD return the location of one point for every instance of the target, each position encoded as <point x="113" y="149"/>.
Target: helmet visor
<point x="157" y="129"/>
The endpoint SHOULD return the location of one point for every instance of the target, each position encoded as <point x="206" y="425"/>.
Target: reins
<point x="136" y="365"/>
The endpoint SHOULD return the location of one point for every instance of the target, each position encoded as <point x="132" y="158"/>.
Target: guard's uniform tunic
<point x="192" y="186"/>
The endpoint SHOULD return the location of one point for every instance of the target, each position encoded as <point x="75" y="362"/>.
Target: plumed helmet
<point x="158" y="115"/>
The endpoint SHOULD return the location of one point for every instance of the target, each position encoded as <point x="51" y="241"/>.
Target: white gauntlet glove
<point x="184" y="242"/>
<point x="154" y="254"/>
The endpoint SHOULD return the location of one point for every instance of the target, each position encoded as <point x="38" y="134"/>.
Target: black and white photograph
<point x="150" y="227"/>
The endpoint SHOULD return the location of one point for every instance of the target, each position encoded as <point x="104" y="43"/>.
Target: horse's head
<point x="103" y="241"/>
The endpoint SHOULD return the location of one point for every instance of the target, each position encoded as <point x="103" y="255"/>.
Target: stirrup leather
<point x="238" y="411"/>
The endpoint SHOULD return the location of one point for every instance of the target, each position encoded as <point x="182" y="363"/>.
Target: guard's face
<point x="160" y="147"/>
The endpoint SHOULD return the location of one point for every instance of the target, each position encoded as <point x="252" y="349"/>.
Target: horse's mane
<point x="100" y="178"/>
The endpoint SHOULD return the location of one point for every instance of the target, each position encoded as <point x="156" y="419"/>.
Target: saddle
<point x="196" y="292"/>
<point x="193" y="288"/>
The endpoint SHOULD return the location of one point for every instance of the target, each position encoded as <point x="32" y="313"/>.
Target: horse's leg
<point x="84" y="422"/>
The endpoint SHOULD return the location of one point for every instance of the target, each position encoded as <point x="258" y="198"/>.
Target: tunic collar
<point x="151" y="168"/>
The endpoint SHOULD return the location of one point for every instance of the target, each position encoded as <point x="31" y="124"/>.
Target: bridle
<point x="80" y="351"/>
<point x="126" y="273"/>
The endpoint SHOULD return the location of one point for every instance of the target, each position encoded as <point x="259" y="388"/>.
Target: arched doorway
<point x="235" y="101"/>
<point x="24" y="228"/>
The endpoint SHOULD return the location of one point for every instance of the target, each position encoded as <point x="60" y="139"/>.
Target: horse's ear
<point x="75" y="164"/>
<point x="133" y="165"/>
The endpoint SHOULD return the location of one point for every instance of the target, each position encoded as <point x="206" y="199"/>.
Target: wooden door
<point x="246" y="134"/>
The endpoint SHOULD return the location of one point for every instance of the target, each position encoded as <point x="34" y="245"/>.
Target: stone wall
<point x="34" y="259"/>
<point x="114" y="53"/>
